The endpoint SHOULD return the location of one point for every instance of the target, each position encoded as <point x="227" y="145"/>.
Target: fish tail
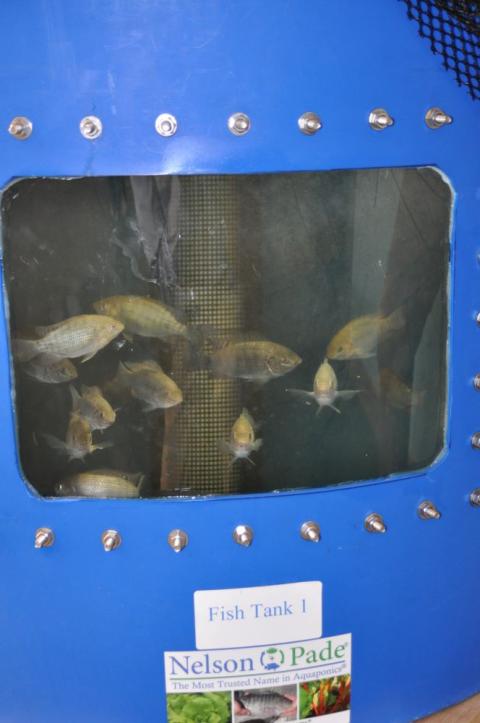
<point x="56" y="443"/>
<point x="76" y="398"/>
<point x="396" y="320"/>
<point x="25" y="349"/>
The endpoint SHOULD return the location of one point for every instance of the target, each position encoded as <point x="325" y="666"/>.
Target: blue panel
<point x="83" y="633"/>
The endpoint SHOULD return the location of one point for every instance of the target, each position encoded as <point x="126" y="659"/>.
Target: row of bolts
<point x="243" y="534"/>
<point x="239" y="124"/>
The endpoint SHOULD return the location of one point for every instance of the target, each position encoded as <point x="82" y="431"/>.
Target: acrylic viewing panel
<point x="184" y="335"/>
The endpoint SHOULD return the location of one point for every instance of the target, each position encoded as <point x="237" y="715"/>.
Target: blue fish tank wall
<point x="240" y="406"/>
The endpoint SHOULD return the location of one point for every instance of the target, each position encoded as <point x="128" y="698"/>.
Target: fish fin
<point x="56" y="443"/>
<point x="348" y="393"/>
<point x="257" y="444"/>
<point x="76" y="398"/>
<point x="396" y="320"/>
<point x="24" y="349"/>
<point x="332" y="406"/>
<point x="103" y="445"/>
<point x="87" y="357"/>
<point x="84" y="390"/>
<point x="141" y="484"/>
<point x="147" y="408"/>
<point x="128" y="336"/>
<point x="123" y="368"/>
<point x="302" y="394"/>
<point x="225" y="447"/>
<point x="251" y="461"/>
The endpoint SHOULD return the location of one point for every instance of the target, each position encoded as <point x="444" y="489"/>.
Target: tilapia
<point x="147" y="382"/>
<point x="397" y="392"/>
<point x="253" y="360"/>
<point x="78" y="336"/>
<point x="93" y="406"/>
<point x="50" y="369"/>
<point x="101" y="483"/>
<point x="242" y="439"/>
<point x="325" y="389"/>
<point x="360" y="337"/>
<point x="78" y="442"/>
<point x="264" y="703"/>
<point x="143" y="316"/>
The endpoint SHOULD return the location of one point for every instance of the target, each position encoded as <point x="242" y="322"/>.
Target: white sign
<point x="299" y="681"/>
<point x="244" y="616"/>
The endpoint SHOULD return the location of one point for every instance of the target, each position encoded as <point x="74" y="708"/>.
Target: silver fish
<point x="325" y="389"/>
<point x="78" y="441"/>
<point x="93" y="406"/>
<point x="143" y="316"/>
<point x="50" y="369"/>
<point x="78" y="336"/>
<point x="101" y="483"/>
<point x="148" y="383"/>
<point x="254" y="360"/>
<point x="264" y="703"/>
<point x="242" y="439"/>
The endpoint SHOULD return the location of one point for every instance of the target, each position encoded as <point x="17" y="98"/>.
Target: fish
<point x="359" y="338"/>
<point x="147" y="382"/>
<point x="50" y="369"/>
<point x="253" y="360"/>
<point x="78" y="336"/>
<point x="92" y="405"/>
<point x="325" y="389"/>
<point x="397" y="393"/>
<point x="242" y="439"/>
<point x="101" y="483"/>
<point x="264" y="703"/>
<point x="143" y="316"/>
<point x="78" y="441"/>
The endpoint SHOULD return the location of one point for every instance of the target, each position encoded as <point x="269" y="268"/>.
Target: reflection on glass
<point x="212" y="334"/>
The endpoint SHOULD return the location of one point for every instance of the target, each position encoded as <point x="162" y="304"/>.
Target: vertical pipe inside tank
<point x="210" y="291"/>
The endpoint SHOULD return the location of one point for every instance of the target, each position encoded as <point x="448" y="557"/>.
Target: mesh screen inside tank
<point x="453" y="29"/>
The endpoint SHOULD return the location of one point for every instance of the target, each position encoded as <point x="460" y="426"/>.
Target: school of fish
<point x="46" y="356"/>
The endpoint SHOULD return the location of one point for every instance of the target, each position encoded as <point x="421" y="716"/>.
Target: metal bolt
<point x="111" y="539"/>
<point x="243" y="535"/>
<point x="177" y="539"/>
<point x="91" y="127"/>
<point x="427" y="511"/>
<point x="375" y="523"/>
<point x="20" y="127"/>
<point x="309" y="123"/>
<point x="476" y="382"/>
<point x="44" y="537"/>
<point x="310" y="531"/>
<point x="437" y="118"/>
<point x="380" y="119"/>
<point x="239" y="124"/>
<point x="166" y="125"/>
<point x="475" y="497"/>
<point x="475" y="440"/>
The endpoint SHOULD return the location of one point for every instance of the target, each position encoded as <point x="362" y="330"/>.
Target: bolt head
<point x="437" y="118"/>
<point x="310" y="531"/>
<point x="111" y="539"/>
<point x="44" y="537"/>
<point x="475" y="440"/>
<point x="178" y="540"/>
<point x="428" y="511"/>
<point x="91" y="127"/>
<point x="239" y="124"/>
<point x="166" y="125"/>
<point x="475" y="497"/>
<point x="309" y="123"/>
<point x="380" y="119"/>
<point x="20" y="128"/>
<point x="374" y="523"/>
<point x="243" y="535"/>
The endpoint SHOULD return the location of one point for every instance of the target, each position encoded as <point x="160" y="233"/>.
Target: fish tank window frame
<point x="243" y="424"/>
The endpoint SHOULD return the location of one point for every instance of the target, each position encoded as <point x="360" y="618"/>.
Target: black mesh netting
<point x="453" y="29"/>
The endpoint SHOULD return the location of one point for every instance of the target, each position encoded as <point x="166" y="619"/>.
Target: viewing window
<point x="192" y="335"/>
